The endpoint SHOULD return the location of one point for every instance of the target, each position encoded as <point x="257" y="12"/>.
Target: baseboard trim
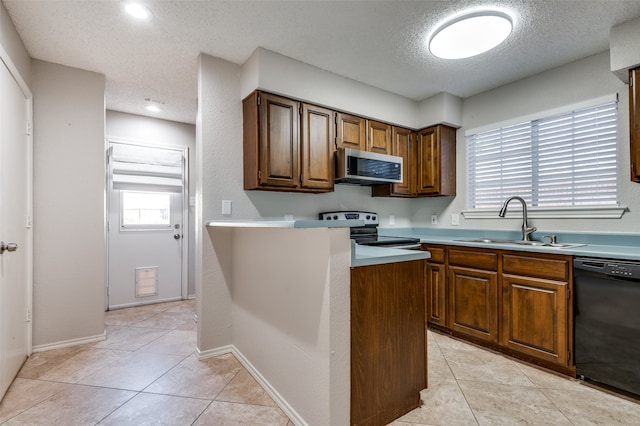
<point x="293" y="415"/>
<point x="69" y="343"/>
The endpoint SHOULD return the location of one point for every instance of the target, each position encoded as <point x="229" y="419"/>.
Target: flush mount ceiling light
<point x="470" y="35"/>
<point x="138" y="11"/>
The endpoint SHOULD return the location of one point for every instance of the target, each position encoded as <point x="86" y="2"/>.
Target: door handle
<point x="8" y="247"/>
<point x="176" y="236"/>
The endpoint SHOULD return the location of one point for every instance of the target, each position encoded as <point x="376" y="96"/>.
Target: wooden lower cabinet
<point x="535" y="318"/>
<point x="388" y="341"/>
<point x="519" y="303"/>
<point x="436" y="293"/>
<point x="473" y="302"/>
<point x="537" y="309"/>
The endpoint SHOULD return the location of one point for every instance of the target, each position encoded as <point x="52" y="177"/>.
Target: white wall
<point x="69" y="207"/>
<point x="138" y="128"/>
<point x="578" y="81"/>
<point x="279" y="74"/>
<point x="625" y="55"/>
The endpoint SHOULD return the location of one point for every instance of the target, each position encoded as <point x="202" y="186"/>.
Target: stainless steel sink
<point x="521" y="243"/>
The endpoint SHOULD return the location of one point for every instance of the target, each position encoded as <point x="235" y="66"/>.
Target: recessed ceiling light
<point x="153" y="104"/>
<point x="470" y="35"/>
<point x="138" y="11"/>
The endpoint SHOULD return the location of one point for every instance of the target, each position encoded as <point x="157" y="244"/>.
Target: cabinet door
<point x="403" y="145"/>
<point x="473" y="302"/>
<point x="436" y="156"/>
<point x="535" y="318"/>
<point x="634" y="122"/>
<point x="379" y="139"/>
<point x="436" y="298"/>
<point x="428" y="152"/>
<point x="318" y="135"/>
<point x="351" y="131"/>
<point x="279" y="141"/>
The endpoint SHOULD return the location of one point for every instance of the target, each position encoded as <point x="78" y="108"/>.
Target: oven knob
<point x="327" y="217"/>
<point x="335" y="217"/>
<point x="373" y="218"/>
<point x="368" y="217"/>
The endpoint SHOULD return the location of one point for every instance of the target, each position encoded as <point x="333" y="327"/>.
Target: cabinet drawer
<point x="437" y="254"/>
<point x="556" y="268"/>
<point x="474" y="259"/>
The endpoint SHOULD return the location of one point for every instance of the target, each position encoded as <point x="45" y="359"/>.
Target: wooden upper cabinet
<point x="436" y="157"/>
<point x="318" y="135"/>
<point x="284" y="151"/>
<point x="430" y="163"/>
<point x="351" y="131"/>
<point x="379" y="137"/>
<point x="402" y="145"/>
<point x="634" y="123"/>
<point x="280" y="136"/>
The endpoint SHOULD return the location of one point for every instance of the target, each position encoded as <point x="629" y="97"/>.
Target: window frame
<point x="581" y="211"/>
<point x="146" y="227"/>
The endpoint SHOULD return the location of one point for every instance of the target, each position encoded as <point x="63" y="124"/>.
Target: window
<point x="146" y="210"/>
<point x="565" y="160"/>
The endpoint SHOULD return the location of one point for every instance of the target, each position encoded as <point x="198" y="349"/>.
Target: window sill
<point x="552" y="213"/>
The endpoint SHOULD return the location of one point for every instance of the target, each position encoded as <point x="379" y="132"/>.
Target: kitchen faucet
<point x="526" y="230"/>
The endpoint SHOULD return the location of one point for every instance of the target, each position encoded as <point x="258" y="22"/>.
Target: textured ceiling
<point x="381" y="43"/>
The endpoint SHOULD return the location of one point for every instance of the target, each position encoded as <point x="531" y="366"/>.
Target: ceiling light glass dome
<point x="470" y="35"/>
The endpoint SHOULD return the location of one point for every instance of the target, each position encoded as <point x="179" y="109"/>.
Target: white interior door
<point x="14" y="207"/>
<point x="145" y="241"/>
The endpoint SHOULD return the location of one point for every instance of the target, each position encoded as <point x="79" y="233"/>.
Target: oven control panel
<point x="369" y="218"/>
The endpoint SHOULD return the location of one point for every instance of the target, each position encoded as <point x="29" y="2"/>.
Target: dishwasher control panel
<point x="623" y="269"/>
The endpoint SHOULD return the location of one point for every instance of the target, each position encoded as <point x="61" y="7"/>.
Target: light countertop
<point x="614" y="246"/>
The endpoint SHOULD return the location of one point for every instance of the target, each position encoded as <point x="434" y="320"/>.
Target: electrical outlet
<point x="455" y="219"/>
<point x="392" y="219"/>
<point x="434" y="219"/>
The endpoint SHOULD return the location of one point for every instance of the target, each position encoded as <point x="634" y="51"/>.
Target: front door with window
<point x="145" y="229"/>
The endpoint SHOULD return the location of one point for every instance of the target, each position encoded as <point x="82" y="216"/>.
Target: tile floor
<point x="146" y="373"/>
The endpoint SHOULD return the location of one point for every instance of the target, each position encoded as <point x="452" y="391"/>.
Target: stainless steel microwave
<point x="367" y="168"/>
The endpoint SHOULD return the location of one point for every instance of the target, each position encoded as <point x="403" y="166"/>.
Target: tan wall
<point x="69" y="206"/>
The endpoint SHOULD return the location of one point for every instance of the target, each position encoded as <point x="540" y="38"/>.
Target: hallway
<point x="144" y="373"/>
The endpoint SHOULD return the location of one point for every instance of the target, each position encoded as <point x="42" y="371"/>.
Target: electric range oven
<point x="367" y="235"/>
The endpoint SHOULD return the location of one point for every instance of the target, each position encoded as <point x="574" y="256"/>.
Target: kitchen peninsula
<point x="280" y="298"/>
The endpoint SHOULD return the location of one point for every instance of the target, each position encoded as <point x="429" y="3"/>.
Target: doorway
<point x="147" y="218"/>
<point x="15" y="222"/>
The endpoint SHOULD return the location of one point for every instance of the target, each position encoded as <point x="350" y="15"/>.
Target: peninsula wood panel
<point x="388" y="341"/>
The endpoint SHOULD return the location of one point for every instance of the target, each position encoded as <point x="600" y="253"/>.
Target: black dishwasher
<point x="607" y="322"/>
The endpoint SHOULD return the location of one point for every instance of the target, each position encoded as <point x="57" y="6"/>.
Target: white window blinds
<point x="564" y="160"/>
<point x="146" y="168"/>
